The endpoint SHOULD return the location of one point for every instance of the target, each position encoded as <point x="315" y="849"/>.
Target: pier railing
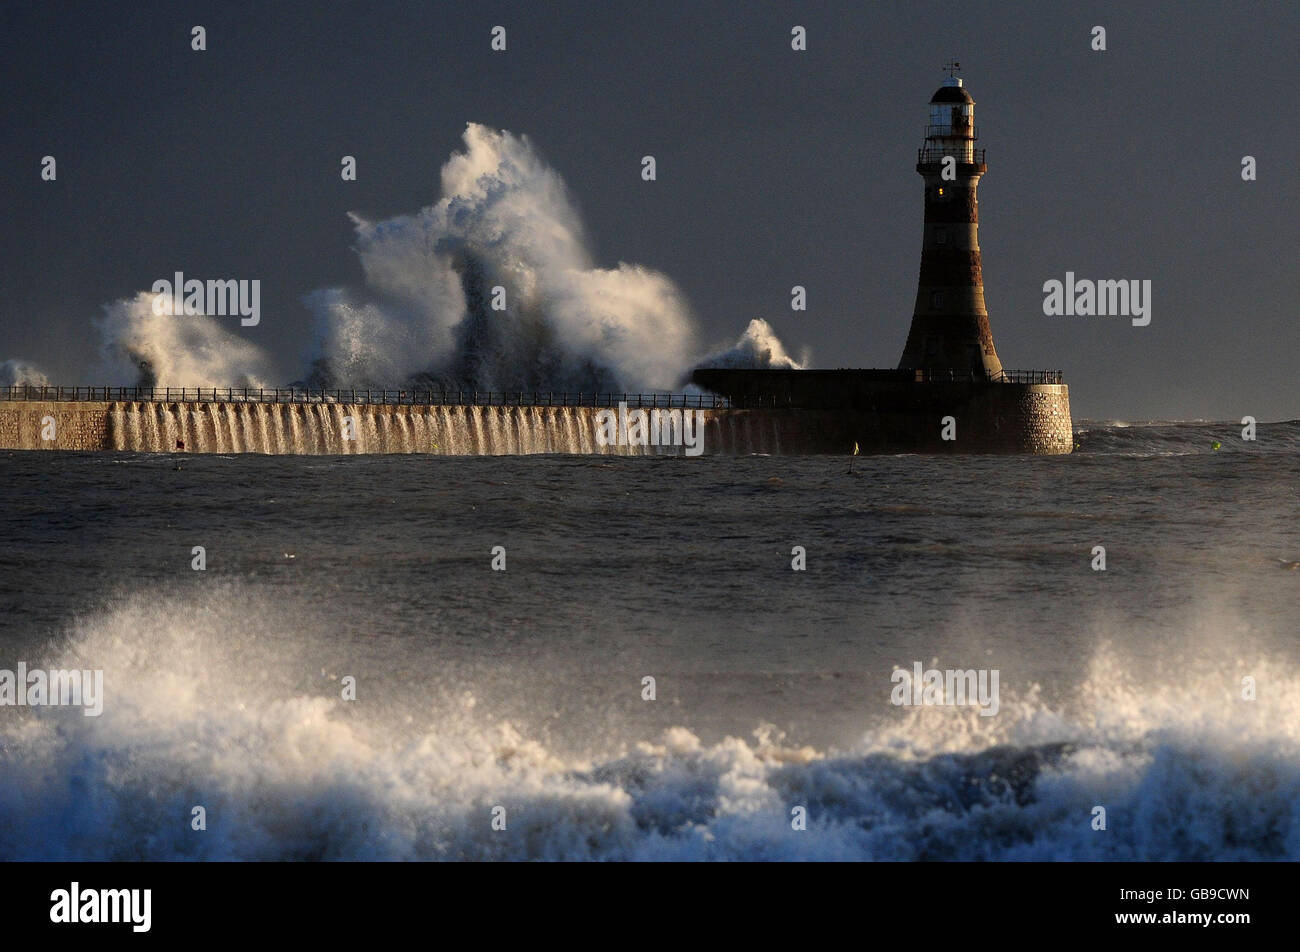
<point x="927" y="375"/>
<point x="411" y="397"/>
<point x="1028" y="376"/>
<point x="487" y="398"/>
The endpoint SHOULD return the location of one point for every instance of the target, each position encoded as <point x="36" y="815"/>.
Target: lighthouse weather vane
<point x="952" y="66"/>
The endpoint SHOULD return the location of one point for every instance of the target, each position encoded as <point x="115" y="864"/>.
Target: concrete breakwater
<point x="321" y="428"/>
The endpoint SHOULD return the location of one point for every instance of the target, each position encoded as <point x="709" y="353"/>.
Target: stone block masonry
<point x="77" y="425"/>
<point x="318" y="428"/>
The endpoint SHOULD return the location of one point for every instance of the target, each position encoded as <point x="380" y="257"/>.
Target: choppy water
<point x="522" y="688"/>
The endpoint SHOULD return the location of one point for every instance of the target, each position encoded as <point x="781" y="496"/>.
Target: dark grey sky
<point x="775" y="168"/>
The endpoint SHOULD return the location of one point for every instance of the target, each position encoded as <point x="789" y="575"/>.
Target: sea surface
<point x="520" y="695"/>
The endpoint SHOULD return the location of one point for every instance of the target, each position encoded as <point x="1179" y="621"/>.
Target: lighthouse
<point x="949" y="393"/>
<point x="950" y="335"/>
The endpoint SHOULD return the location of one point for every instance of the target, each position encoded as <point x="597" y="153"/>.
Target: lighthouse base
<point x="894" y="412"/>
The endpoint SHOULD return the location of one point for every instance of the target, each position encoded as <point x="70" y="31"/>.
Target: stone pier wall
<point x="1006" y="418"/>
<point x="895" y="411"/>
<point x="77" y="425"/>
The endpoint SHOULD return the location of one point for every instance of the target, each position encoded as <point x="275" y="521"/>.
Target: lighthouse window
<point x="936" y="299"/>
<point x="940" y="236"/>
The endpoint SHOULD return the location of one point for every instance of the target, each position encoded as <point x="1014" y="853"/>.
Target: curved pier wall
<point x="996" y="418"/>
<point x="894" y="412"/>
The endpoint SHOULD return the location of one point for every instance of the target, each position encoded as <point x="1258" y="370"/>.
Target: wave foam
<point x="492" y="287"/>
<point x="198" y="714"/>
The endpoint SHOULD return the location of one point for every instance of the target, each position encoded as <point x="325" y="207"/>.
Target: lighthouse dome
<point x="952" y="91"/>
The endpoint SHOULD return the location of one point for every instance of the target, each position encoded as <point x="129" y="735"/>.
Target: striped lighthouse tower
<point x="950" y="333"/>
